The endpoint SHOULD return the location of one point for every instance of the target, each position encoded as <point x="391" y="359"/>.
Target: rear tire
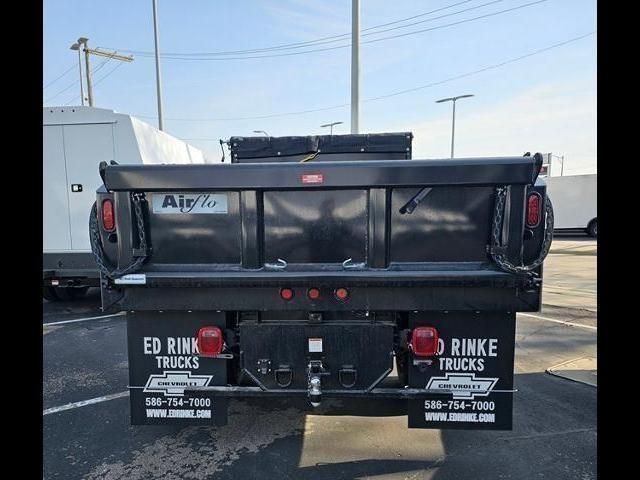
<point x="592" y="229"/>
<point x="49" y="294"/>
<point x="71" y="293"/>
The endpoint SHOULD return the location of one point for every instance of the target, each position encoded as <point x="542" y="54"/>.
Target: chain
<point x="498" y="250"/>
<point x="139" y="257"/>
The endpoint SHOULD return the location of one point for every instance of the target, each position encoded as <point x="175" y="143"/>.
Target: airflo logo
<point x="463" y="385"/>
<point x="189" y="203"/>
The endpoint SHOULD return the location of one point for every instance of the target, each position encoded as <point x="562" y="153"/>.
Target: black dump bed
<point x="237" y="231"/>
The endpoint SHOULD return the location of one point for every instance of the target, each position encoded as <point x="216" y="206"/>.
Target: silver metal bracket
<point x="281" y="265"/>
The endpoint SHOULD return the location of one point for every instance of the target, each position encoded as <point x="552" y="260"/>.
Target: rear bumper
<point x="70" y="269"/>
<point x="399" y="393"/>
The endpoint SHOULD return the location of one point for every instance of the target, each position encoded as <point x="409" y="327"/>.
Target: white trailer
<point x="75" y="141"/>
<point x="575" y="202"/>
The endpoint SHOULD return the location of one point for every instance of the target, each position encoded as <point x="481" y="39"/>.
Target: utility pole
<point x="100" y="53"/>
<point x="453" y="123"/>
<point x="355" y="66"/>
<point x="157" y="52"/>
<point x="76" y="46"/>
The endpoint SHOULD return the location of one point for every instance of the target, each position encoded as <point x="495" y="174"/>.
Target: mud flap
<point x="162" y="363"/>
<point x="475" y="360"/>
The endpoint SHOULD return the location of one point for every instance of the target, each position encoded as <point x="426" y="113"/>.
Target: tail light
<point x="342" y="294"/>
<point x="210" y="341"/>
<point x="108" y="215"/>
<point x="286" y="294"/>
<point x="534" y="209"/>
<point x="313" y="293"/>
<point x="424" y="341"/>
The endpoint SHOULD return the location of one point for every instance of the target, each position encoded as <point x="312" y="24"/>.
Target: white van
<point x="75" y="141"/>
<point x="575" y="202"/>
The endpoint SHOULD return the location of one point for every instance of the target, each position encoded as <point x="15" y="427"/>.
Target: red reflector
<point x="424" y="341"/>
<point x="313" y="293"/>
<point x="108" y="216"/>
<point x="286" y="293"/>
<point x="342" y="294"/>
<point x="311" y="178"/>
<point x="210" y="341"/>
<point x="534" y="206"/>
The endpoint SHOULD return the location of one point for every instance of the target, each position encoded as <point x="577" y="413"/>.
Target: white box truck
<point x="75" y="141"/>
<point x="575" y="202"/>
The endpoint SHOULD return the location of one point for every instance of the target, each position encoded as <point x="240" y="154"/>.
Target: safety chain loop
<point x="498" y="251"/>
<point x="139" y="257"/>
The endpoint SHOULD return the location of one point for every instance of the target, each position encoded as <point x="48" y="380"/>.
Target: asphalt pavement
<point x="87" y="433"/>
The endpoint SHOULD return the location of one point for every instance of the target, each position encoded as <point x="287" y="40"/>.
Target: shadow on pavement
<point x="553" y="436"/>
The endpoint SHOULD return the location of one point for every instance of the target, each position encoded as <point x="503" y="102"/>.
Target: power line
<point x="330" y="39"/>
<point x="366" y="42"/>
<point x="102" y="64"/>
<point x="99" y="80"/>
<point x="187" y="56"/>
<point x="62" y="91"/>
<point x="75" y="82"/>
<point x="298" y="44"/>
<point x="108" y="74"/>
<point x="393" y="94"/>
<point x="59" y="77"/>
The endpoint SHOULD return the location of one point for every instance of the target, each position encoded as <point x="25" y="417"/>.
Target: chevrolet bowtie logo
<point x="463" y="385"/>
<point x="174" y="383"/>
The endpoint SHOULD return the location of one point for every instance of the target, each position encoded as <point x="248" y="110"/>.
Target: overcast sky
<point x="543" y="102"/>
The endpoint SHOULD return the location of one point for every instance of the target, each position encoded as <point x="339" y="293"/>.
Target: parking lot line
<point x="571" y="324"/>
<point x="85" y="319"/>
<point x="84" y="403"/>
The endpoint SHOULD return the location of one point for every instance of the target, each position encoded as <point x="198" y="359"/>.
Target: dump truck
<point x="323" y="267"/>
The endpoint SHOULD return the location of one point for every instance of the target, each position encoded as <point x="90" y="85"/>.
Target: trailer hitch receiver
<point x="315" y="370"/>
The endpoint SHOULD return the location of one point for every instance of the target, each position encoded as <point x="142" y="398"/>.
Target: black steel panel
<point x="450" y="224"/>
<point x="328" y="157"/>
<point x="366" y="146"/>
<point x="347" y="174"/>
<point x="197" y="238"/>
<point x="379" y="199"/>
<point x="315" y="227"/>
<point x="515" y="222"/>
<point x="252" y="227"/>
<point x="60" y="262"/>
<point x="365" y="347"/>
<point x="376" y="298"/>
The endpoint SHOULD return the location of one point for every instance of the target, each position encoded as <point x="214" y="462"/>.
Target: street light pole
<point x="453" y="123"/>
<point x="330" y="125"/>
<point x="76" y="46"/>
<point x="157" y="52"/>
<point x="355" y="66"/>
<point x="261" y="131"/>
<point x="87" y="67"/>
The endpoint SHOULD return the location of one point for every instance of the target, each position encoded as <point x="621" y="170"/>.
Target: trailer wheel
<point x="592" y="228"/>
<point x="49" y="294"/>
<point x="71" y="293"/>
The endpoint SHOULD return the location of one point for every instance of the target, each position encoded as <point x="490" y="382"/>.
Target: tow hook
<point x="315" y="370"/>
